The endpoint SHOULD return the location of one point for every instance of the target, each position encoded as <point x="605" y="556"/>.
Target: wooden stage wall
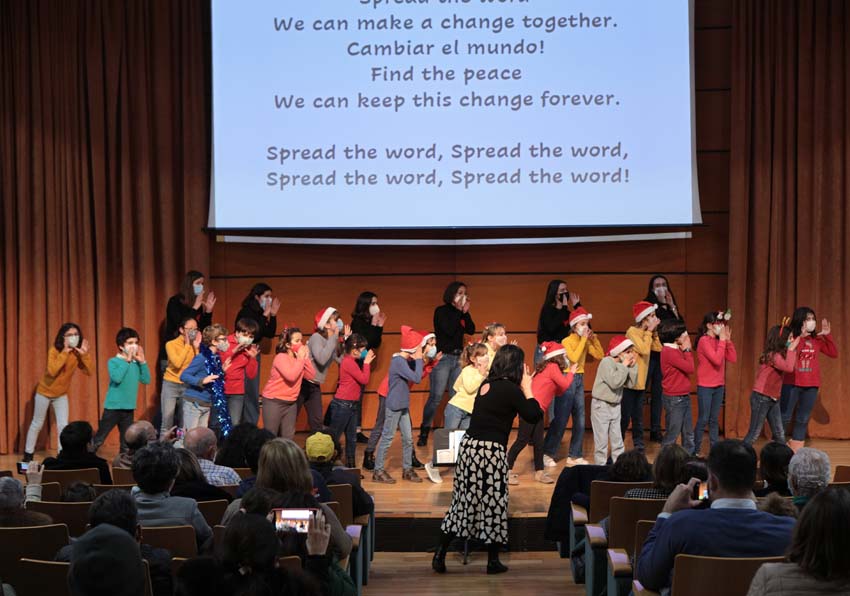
<point x="507" y="283"/>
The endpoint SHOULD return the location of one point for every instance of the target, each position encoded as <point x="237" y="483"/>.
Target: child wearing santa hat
<point x="325" y="348"/>
<point x="405" y="368"/>
<point x="549" y="380"/>
<point x="617" y="371"/>
<point x="580" y="344"/>
<point x="644" y="337"/>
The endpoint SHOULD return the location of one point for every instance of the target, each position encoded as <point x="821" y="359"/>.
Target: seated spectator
<point x="668" y="471"/>
<point x="78" y="492"/>
<point x="138" y="435"/>
<point x="773" y="464"/>
<point x="283" y="467"/>
<point x="808" y="474"/>
<point x="731" y="527"/>
<point x="252" y="456"/>
<point x="260" y="501"/>
<point x="76" y="441"/>
<point x="201" y="576"/>
<point x="191" y="483"/>
<point x="232" y="451"/>
<point x="819" y="555"/>
<point x="106" y="561"/>
<point x="322" y="451"/>
<point x="154" y="470"/>
<point x="777" y="505"/>
<point x="117" y="508"/>
<point x="13" y="500"/>
<point x="202" y="442"/>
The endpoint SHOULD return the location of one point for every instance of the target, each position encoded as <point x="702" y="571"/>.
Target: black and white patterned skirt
<point x="479" y="508"/>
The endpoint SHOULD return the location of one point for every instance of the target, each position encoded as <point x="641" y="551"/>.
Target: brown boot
<point x="382" y="476"/>
<point x="410" y="474"/>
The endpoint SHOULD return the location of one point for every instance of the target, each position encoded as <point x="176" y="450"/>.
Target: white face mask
<point x="718" y="329"/>
<point x="431" y="352"/>
<point x="222" y="345"/>
<point x="73" y="341"/>
<point x="660" y="291"/>
<point x="244" y="340"/>
<point x="198" y="289"/>
<point x="460" y="299"/>
<point x="131" y="349"/>
<point x="810" y="326"/>
<point x="374" y="310"/>
<point x="501" y="340"/>
<point x="581" y="329"/>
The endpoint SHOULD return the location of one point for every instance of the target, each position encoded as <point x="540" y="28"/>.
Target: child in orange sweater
<point x="291" y="366"/>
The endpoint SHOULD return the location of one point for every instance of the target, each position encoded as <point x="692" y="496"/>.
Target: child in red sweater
<point x="291" y="366"/>
<point x="549" y="380"/>
<point x="800" y="386"/>
<point x="779" y="357"/>
<point x="353" y="377"/>
<point x="239" y="363"/>
<point x="677" y="366"/>
<point x="714" y="349"/>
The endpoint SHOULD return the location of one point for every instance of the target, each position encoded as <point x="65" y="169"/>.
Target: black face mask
<point x="563" y="296"/>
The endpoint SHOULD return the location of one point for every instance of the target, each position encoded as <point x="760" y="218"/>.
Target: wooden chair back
<point x="212" y="511"/>
<point x="642" y="530"/>
<point x="292" y="563"/>
<point x="244" y="473"/>
<point x="34" y="542"/>
<point x="51" y="491"/>
<point x="624" y="516"/>
<point x="334" y="506"/>
<point x="842" y="474"/>
<point x="123" y="476"/>
<point x="42" y="577"/>
<point x="708" y="576"/>
<point x="67" y="477"/>
<point x="840" y="485"/>
<point x="105" y="488"/>
<point x="73" y="515"/>
<point x="601" y="492"/>
<point x="176" y="564"/>
<point x="218" y="537"/>
<point x="178" y="540"/>
<point x="230" y="489"/>
<point x="343" y="494"/>
<point x="5" y="473"/>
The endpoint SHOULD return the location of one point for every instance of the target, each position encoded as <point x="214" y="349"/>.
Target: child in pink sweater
<point x="714" y="349"/>
<point x="291" y="366"/>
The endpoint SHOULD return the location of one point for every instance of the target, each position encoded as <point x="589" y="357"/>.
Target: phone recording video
<point x="23" y="467"/>
<point x="293" y="520"/>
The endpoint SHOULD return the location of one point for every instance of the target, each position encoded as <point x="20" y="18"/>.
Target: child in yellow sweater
<point x="644" y="336"/>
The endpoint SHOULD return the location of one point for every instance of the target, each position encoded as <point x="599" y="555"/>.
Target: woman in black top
<point x="367" y="320"/>
<point x="451" y="322"/>
<point x="260" y="307"/>
<point x="190" y="301"/>
<point x="553" y="323"/>
<point x="479" y="508"/>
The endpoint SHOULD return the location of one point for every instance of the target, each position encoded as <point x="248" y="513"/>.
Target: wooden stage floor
<point x="427" y="500"/>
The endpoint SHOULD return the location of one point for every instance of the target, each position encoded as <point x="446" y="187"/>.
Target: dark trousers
<point x="656" y="402"/>
<point x="631" y="409"/>
<point x="109" y="420"/>
<point x="344" y="421"/>
<point x="251" y="405"/>
<point x="528" y="433"/>
<point x="310" y="398"/>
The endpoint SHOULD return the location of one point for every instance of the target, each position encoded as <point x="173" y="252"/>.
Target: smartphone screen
<point x="293" y="520"/>
<point x="22" y="467"/>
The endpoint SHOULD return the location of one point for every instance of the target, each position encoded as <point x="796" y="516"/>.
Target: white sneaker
<point x="542" y="477"/>
<point x="549" y="462"/>
<point x="433" y="473"/>
<point x="579" y="461"/>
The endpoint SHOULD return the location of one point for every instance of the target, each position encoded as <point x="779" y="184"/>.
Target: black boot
<point x="27" y="457"/>
<point x="493" y="564"/>
<point x="361" y="438"/>
<point x="423" y="436"/>
<point x="415" y="463"/>
<point x="438" y="563"/>
<point x="368" y="460"/>
<point x="350" y="463"/>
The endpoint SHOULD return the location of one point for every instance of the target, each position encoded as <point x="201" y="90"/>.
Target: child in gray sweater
<point x="616" y="371"/>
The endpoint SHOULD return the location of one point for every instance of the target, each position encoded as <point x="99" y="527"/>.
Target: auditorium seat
<point x="67" y="477"/>
<point x="178" y="540"/>
<point x="73" y="515"/>
<point x="35" y="542"/>
<point x="123" y="476"/>
<point x="104" y="488"/>
<point x="842" y="474"/>
<point x="212" y="511"/>
<point x="708" y="576"/>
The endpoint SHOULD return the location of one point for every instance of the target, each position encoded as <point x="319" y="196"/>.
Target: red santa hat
<point x="579" y="315"/>
<point x="323" y="316"/>
<point x="619" y="344"/>
<point x="643" y="309"/>
<point x="426" y="335"/>
<point x="551" y="349"/>
<point x="410" y="338"/>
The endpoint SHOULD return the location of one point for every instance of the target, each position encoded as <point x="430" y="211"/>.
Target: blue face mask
<point x="431" y="352"/>
<point x="340" y="325"/>
<point x="363" y="353"/>
<point x="198" y="289"/>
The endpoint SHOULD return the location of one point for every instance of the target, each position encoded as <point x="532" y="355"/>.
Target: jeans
<point x="378" y="428"/>
<point x="763" y="407"/>
<point x="195" y="415"/>
<point x="456" y="419"/>
<point x="571" y="402"/>
<point x="605" y="420"/>
<point x="443" y="376"/>
<point x="110" y="419"/>
<point x="709" y="400"/>
<point x="679" y="420"/>
<point x="235" y="403"/>
<point x="39" y="413"/>
<point x="310" y="398"/>
<point x="656" y="402"/>
<point x="528" y="433"/>
<point x="396" y="419"/>
<point x="251" y="405"/>
<point x="804" y="399"/>
<point x="344" y="421"/>
<point x="171" y="405"/>
<point x="631" y="409"/>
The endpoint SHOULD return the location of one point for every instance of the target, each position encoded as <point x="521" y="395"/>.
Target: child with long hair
<point x="354" y="372"/>
<point x="778" y="357"/>
<point x="476" y="364"/>
<point x="800" y="386"/>
<point x="325" y="347"/>
<point x="714" y="349"/>
<point x="368" y="320"/>
<point x="69" y="353"/>
<point x="549" y="380"/>
<point x="494" y="337"/>
<point x="291" y="366"/>
<point x="617" y="371"/>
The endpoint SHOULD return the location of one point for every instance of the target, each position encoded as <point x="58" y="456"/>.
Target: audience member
<point x="668" y="471"/>
<point x="818" y="560"/>
<point x="808" y="474"/>
<point x="777" y="505"/>
<point x="13" y="500"/>
<point x="78" y="492"/>
<point x="190" y="481"/>
<point x="117" y="508"/>
<point x="106" y="561"/>
<point x="232" y="452"/>
<point x="154" y="470"/>
<point x="731" y="527"/>
<point x="201" y="576"/>
<point x="203" y="443"/>
<point x="139" y="434"/>
<point x="76" y="441"/>
<point x="322" y="451"/>
<point x="773" y="464"/>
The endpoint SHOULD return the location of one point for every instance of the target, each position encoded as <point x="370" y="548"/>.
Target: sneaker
<point x="576" y="461"/>
<point x="542" y="477"/>
<point x="361" y="438"/>
<point x="513" y="479"/>
<point x="369" y="460"/>
<point x="549" y="462"/>
<point x="433" y="473"/>
<point x="383" y="477"/>
<point x="410" y="474"/>
<point x="27" y="457"/>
